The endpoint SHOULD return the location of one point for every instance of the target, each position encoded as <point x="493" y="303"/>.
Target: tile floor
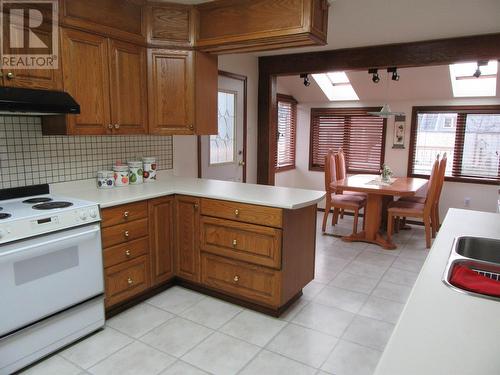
<point x="340" y="326"/>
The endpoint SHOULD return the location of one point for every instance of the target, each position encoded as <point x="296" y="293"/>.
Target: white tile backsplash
<point x="27" y="157"/>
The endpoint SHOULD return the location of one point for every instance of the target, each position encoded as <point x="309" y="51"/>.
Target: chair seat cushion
<point x="413" y="199"/>
<point x="347" y="200"/>
<point x="406" y="208"/>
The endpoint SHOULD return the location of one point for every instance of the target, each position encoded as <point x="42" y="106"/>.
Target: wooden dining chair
<point x="338" y="201"/>
<point x="341" y="174"/>
<point x="414" y="209"/>
<point x="435" y="221"/>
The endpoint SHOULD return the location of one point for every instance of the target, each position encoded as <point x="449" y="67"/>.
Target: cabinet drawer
<point x="126" y="280"/>
<point x="247" y="242"/>
<point x="268" y="216"/>
<point x="124" y="213"/>
<point x="255" y="283"/>
<point x="124" y="232"/>
<point x="123" y="252"/>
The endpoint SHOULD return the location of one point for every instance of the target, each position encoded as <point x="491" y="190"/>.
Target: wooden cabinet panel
<point x="122" y="233"/>
<point x="258" y="284"/>
<point x="161" y="236"/>
<point x="248" y="213"/>
<point x="247" y="242"/>
<point x="86" y="78"/>
<point x="256" y="25"/>
<point x="118" y="18"/>
<point x="187" y="256"/>
<point x="121" y="253"/>
<point x="128" y="88"/>
<point x="126" y="280"/>
<point x="124" y="213"/>
<point x="170" y="92"/>
<point x="170" y="24"/>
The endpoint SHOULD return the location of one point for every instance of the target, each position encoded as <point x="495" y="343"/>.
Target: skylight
<point x="336" y="86"/>
<point x="464" y="83"/>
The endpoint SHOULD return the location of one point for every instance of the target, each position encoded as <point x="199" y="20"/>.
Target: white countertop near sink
<point x="442" y="331"/>
<point x="272" y="196"/>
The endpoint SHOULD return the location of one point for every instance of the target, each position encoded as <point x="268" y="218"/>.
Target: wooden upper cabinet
<point x="256" y="25"/>
<point x="86" y="79"/>
<point x="182" y="92"/>
<point x="187" y="220"/>
<point x="161" y="237"/>
<point x="121" y="19"/>
<point x="128" y="88"/>
<point x="169" y="24"/>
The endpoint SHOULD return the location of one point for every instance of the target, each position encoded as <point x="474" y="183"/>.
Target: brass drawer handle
<point x="117" y="126"/>
<point x="236" y="212"/>
<point x="127" y="253"/>
<point x="125" y="215"/>
<point x="235" y="243"/>
<point x="10" y="75"/>
<point x="126" y="234"/>
<point x="236" y="278"/>
<point x="130" y="281"/>
<point x="196" y="206"/>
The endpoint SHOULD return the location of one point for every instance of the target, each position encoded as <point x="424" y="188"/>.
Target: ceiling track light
<point x="477" y="73"/>
<point x="375" y="76"/>
<point x="394" y="71"/>
<point x="305" y="76"/>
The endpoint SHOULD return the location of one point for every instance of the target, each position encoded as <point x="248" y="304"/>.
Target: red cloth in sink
<point x="468" y="279"/>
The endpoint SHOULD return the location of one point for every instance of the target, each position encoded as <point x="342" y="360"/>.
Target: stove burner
<point x="51" y="205"/>
<point x="4" y="216"/>
<point x="38" y="200"/>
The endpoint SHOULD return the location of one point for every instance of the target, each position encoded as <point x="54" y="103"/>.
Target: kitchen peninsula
<point x="249" y="244"/>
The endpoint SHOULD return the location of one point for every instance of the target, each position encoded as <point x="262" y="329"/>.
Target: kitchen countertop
<point x="167" y="184"/>
<point x="442" y="331"/>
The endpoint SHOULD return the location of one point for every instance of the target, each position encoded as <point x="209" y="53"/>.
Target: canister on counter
<point x="135" y="172"/>
<point x="149" y="165"/>
<point x="105" y="179"/>
<point x="121" y="175"/>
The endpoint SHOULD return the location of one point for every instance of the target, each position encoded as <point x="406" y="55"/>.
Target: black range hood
<point x="36" y="102"/>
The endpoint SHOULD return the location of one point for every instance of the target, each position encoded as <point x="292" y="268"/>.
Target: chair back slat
<point x="433" y="188"/>
<point x="341" y="165"/>
<point x="441" y="173"/>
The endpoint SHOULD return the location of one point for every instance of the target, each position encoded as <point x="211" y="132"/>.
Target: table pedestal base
<point x="378" y="240"/>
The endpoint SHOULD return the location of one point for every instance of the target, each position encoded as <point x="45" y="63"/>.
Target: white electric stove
<point x="51" y="274"/>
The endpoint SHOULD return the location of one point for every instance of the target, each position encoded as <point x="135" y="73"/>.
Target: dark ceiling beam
<point x="402" y="55"/>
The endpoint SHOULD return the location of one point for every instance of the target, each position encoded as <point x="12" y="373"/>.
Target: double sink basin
<point x="479" y="254"/>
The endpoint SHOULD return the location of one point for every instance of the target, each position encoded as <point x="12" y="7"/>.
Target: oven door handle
<point x="43" y="246"/>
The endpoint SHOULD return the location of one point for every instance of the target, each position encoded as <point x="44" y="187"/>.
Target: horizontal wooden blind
<point x="286" y="133"/>
<point x="472" y="142"/>
<point x="360" y="135"/>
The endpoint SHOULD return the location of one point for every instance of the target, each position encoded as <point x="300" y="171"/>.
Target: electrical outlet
<point x="466" y="202"/>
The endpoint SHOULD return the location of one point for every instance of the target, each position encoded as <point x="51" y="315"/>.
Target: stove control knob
<point x="83" y="215"/>
<point x="93" y="213"/>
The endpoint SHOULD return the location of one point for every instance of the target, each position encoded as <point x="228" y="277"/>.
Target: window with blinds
<point x="360" y="135"/>
<point x="286" y="133"/>
<point x="470" y="135"/>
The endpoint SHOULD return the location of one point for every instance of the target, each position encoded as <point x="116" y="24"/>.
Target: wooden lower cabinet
<point x="161" y="238"/>
<point x="187" y="255"/>
<point x="241" y="280"/>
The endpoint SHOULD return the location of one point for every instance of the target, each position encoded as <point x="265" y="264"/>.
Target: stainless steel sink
<point x="482" y="255"/>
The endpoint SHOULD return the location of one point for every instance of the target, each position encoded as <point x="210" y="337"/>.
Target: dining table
<point x="379" y="194"/>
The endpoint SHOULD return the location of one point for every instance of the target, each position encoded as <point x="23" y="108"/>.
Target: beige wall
<point x="185" y="147"/>
<point x="482" y="197"/>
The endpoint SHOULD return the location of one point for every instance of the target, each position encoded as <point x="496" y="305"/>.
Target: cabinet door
<point x="128" y="88"/>
<point x="86" y="78"/>
<point x="170" y="24"/>
<point x="187" y="259"/>
<point x="161" y="238"/>
<point x="170" y="92"/>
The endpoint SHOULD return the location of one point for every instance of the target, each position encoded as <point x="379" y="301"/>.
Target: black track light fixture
<point x="477" y="73"/>
<point x="375" y="76"/>
<point x="394" y="71"/>
<point x="305" y="76"/>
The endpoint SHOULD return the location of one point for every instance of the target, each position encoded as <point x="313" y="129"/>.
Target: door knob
<point x="236" y="278"/>
<point x="110" y="126"/>
<point x="127" y="253"/>
<point x="10" y="75"/>
<point x="117" y="126"/>
<point x="241" y="163"/>
<point x="125" y="215"/>
<point x="126" y="234"/>
<point x="130" y="281"/>
<point x="236" y="213"/>
<point x="235" y="243"/>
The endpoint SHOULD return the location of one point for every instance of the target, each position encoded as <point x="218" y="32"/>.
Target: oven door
<point x="47" y="274"/>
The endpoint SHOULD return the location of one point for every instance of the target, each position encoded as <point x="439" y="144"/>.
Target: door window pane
<point x="222" y="145"/>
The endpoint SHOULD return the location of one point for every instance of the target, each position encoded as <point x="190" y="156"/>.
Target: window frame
<point x="458" y="149"/>
<point x="319" y="168"/>
<point x="288" y="99"/>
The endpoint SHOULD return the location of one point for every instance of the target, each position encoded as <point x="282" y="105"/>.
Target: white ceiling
<point x="425" y="83"/>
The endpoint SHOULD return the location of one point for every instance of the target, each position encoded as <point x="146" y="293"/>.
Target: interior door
<point x="223" y="155"/>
